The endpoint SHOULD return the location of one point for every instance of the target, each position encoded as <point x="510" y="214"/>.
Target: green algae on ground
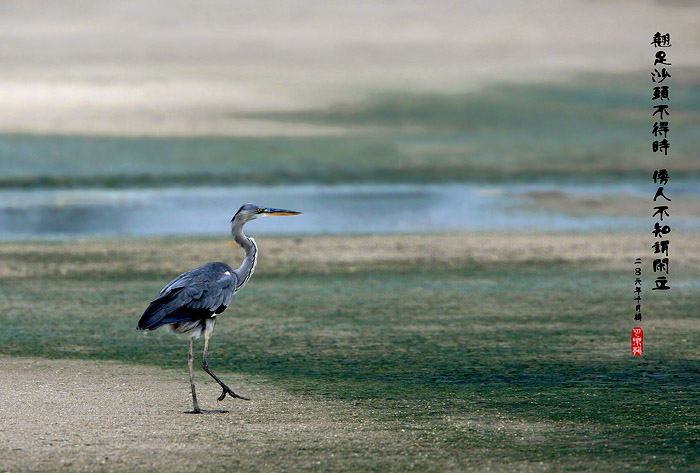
<point x="524" y="362"/>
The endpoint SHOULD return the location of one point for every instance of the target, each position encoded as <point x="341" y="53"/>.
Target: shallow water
<point x="345" y="209"/>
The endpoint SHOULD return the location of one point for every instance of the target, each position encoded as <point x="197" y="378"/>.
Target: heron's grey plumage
<point x="193" y="296"/>
<point x="190" y="302"/>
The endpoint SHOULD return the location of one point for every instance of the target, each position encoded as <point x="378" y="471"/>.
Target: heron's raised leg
<point x="205" y="365"/>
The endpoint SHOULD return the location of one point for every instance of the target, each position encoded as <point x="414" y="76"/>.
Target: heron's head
<point x="250" y="212"/>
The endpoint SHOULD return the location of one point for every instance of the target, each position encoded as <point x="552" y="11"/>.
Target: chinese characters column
<point x="660" y="146"/>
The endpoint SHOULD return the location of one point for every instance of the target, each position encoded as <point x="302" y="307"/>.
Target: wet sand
<point x="71" y="415"/>
<point x="176" y="68"/>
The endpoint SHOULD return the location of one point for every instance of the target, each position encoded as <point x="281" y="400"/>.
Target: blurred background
<point x="154" y="117"/>
<point x="524" y="128"/>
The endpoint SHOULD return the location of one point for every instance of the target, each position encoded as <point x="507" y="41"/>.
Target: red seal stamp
<point x="637" y="339"/>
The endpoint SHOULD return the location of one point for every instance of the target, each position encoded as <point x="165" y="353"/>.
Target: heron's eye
<point x="260" y="210"/>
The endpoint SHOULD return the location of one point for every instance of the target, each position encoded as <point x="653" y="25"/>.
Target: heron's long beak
<point x="281" y="212"/>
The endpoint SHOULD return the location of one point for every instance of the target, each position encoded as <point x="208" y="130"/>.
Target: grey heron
<point x="190" y="303"/>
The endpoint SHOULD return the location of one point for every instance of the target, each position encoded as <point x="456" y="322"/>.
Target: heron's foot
<point x="203" y="411"/>
<point x="226" y="390"/>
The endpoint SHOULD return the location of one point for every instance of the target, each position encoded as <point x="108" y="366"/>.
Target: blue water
<point x="346" y="209"/>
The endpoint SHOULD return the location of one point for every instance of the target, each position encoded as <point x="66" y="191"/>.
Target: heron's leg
<point x="205" y="365"/>
<point x="190" y="364"/>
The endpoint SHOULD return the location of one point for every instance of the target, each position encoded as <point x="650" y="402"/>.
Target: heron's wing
<point x="193" y="295"/>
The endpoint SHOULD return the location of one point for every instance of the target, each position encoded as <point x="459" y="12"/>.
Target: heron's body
<point x="190" y="303"/>
<point x="191" y="299"/>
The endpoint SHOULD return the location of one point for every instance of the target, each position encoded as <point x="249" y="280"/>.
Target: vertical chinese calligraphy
<point x="660" y="130"/>
<point x="638" y="289"/>
<point x="660" y="146"/>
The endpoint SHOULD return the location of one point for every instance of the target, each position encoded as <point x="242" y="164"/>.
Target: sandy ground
<point x="342" y="254"/>
<point x="76" y="416"/>
<point x="72" y="415"/>
<point x="160" y="67"/>
<point x="68" y="415"/>
<point x="617" y="205"/>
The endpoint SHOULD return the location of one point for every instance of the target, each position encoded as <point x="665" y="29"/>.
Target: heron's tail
<point x="163" y="310"/>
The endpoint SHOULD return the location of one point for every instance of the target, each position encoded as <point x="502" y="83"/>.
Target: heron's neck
<point x="245" y="270"/>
